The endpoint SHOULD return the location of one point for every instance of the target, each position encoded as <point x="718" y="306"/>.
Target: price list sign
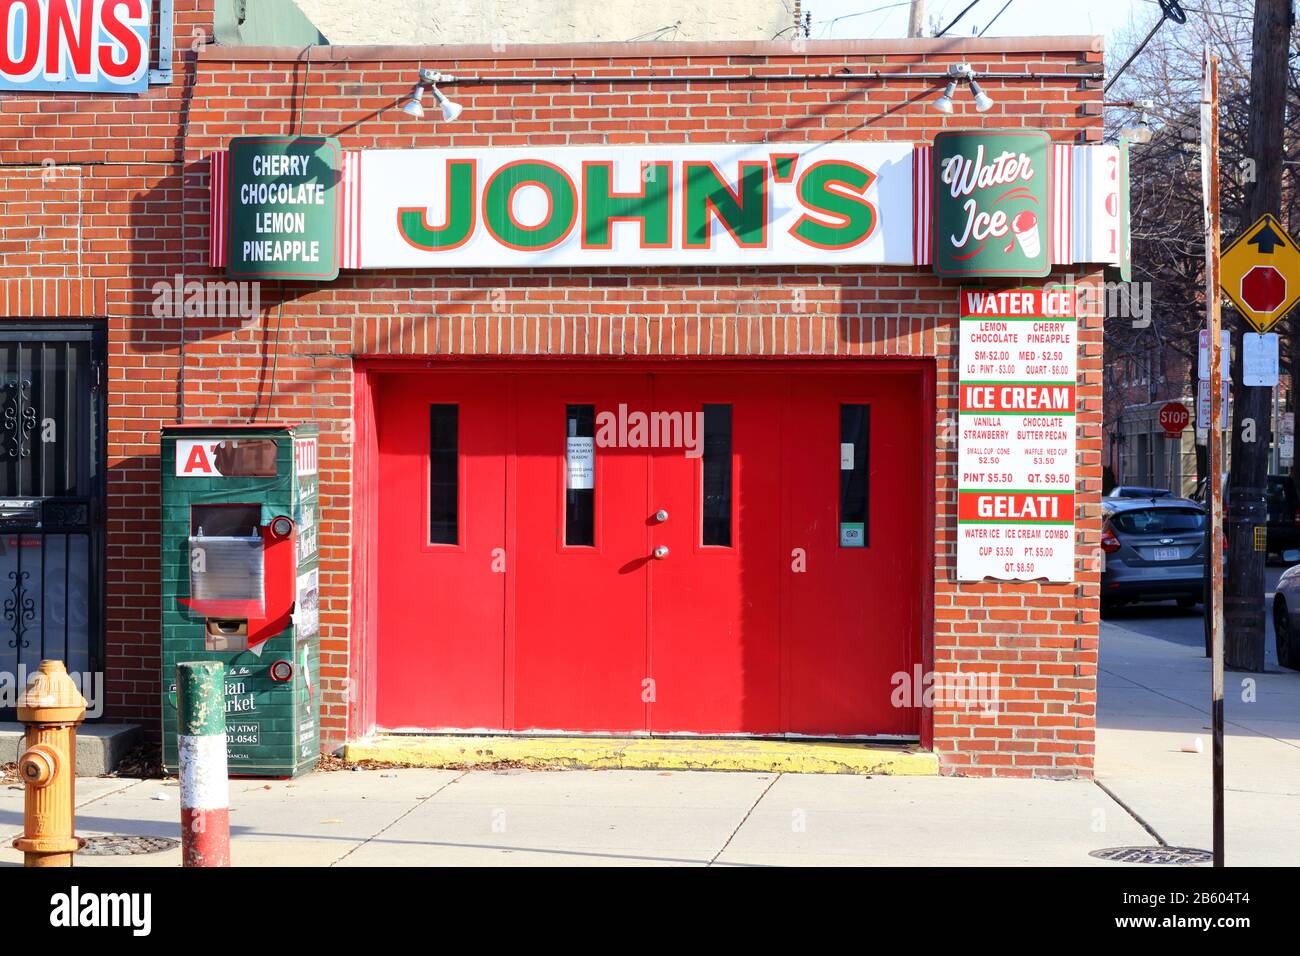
<point x="1015" y="460"/>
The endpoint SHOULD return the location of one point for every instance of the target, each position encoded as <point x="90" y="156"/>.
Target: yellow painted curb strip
<point x="786" y="756"/>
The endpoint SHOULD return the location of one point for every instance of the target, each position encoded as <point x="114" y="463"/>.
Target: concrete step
<point x="646" y="753"/>
<point x="100" y="747"/>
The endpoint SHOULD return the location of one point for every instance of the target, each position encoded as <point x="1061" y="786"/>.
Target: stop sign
<point x="1263" y="288"/>
<point x="1174" y="418"/>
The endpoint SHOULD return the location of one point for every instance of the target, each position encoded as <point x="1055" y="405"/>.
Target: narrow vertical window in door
<point x="444" y="474"/>
<point x="580" y="476"/>
<point x="716" y="485"/>
<point x="855" y="461"/>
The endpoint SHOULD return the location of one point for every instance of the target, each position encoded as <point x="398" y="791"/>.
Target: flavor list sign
<point x="283" y="200"/>
<point x="1016" y="443"/>
<point x="992" y="215"/>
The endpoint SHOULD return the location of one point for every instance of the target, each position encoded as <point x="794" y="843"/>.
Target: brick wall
<point x="140" y="188"/>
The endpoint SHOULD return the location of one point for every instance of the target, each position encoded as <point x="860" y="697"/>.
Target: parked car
<point x="1155" y="550"/>
<point x="1283" y="513"/>
<point x="1139" y="491"/>
<point x="1286" y="624"/>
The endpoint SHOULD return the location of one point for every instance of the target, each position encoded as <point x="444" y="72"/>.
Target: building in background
<point x="487" y="22"/>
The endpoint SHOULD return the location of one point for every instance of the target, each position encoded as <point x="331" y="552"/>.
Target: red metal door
<point x="442" y="608"/>
<point x="579" y="577"/>
<point x="715" y="594"/>
<point x="789" y="596"/>
<point x="852" y="609"/>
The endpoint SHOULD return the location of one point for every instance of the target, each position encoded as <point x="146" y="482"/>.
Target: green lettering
<point x="847" y="203"/>
<point x="561" y="215"/>
<point x="413" y="221"/>
<point x="601" y="206"/>
<point x="743" y="212"/>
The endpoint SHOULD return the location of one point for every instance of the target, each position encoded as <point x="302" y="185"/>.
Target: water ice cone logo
<point x="1025" y="227"/>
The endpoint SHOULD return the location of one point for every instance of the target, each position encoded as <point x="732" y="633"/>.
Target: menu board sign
<point x="1016" y="442"/>
<point x="283" y="207"/>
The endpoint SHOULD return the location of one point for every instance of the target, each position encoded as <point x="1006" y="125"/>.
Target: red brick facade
<point x="102" y="197"/>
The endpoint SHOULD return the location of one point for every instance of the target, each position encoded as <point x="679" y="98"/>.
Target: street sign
<point x="1203" y="407"/>
<point x="1174" y="417"/>
<point x="1261" y="273"/>
<point x="1203" y="355"/>
<point x="1259" y="359"/>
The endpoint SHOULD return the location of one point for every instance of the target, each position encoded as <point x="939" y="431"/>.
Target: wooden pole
<point x="916" y="22"/>
<point x="1210" y="191"/>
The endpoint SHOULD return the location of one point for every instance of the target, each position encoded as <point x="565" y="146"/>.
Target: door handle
<point x="661" y="516"/>
<point x="661" y="552"/>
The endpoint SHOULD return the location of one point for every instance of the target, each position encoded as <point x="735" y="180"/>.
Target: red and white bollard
<point x="205" y="788"/>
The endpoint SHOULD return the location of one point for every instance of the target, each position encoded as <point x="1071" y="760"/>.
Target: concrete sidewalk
<point x="1154" y="697"/>
<point x="618" y="817"/>
<point x="1154" y="692"/>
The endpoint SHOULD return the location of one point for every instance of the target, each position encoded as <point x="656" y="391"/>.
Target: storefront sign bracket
<point x="162" y="75"/>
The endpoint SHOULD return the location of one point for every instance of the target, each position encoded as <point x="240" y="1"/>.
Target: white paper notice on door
<point x="846" y="456"/>
<point x="581" y="455"/>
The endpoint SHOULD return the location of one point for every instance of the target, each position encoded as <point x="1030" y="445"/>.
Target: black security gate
<point x="52" y="461"/>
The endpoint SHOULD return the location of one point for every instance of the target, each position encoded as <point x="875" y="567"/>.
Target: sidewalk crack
<point x="398" y="819"/>
<point x="1132" y="813"/>
<point x="757" y="800"/>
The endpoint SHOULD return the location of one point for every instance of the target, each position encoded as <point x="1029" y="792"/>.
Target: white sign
<point x="1016" y="439"/>
<point x="1259" y="359"/>
<point x="1203" y="408"/>
<point x="1203" y="354"/>
<point x="196" y="459"/>
<point x="581" y="456"/>
<point x="747" y="204"/>
<point x="846" y="456"/>
<point x="304" y="456"/>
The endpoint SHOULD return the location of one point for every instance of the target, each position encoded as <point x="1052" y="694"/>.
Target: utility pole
<point x="1243" y="602"/>
<point x="916" y="23"/>
<point x="1213" y="444"/>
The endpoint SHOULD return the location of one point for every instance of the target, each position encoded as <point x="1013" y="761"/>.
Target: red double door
<point x="717" y="553"/>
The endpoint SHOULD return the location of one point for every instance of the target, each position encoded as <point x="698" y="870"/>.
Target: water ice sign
<point x="1016" y="435"/>
<point x="992" y="214"/>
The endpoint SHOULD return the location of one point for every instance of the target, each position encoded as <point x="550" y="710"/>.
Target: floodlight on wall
<point x="429" y="79"/>
<point x="944" y="103"/>
<point x="963" y="73"/>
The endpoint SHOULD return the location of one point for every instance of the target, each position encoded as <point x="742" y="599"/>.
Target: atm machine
<point x="241" y="584"/>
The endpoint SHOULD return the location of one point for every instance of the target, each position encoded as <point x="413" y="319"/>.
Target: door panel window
<point x="444" y="474"/>
<point x="580" y="476"/>
<point x="855" y="460"/>
<point x="716" y="485"/>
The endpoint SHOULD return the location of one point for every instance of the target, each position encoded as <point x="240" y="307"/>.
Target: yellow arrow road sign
<point x="1260" y="273"/>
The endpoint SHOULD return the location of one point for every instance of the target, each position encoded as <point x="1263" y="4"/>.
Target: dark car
<point x="1283" y="513"/>
<point x="1155" y="550"/>
<point x="1138" y="491"/>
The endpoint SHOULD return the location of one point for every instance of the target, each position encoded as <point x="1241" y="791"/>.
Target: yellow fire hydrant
<point x="51" y="707"/>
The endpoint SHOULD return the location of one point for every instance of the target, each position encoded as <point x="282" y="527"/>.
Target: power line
<point x="995" y="18"/>
<point x="963" y="13"/>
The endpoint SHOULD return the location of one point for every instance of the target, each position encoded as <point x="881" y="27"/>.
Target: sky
<point x="864" y="19"/>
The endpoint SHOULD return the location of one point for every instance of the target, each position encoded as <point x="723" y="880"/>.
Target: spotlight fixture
<point x="1141" y="131"/>
<point x="963" y="73"/>
<point x="429" y="79"/>
<point x="944" y="103"/>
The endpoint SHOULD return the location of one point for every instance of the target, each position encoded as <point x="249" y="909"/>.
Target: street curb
<point x="587" y="753"/>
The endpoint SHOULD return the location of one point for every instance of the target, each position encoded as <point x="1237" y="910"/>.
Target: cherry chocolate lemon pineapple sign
<point x="991" y="210"/>
<point x="1016" y="445"/>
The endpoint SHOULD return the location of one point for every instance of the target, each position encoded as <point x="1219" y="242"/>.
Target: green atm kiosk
<point x="241" y="584"/>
